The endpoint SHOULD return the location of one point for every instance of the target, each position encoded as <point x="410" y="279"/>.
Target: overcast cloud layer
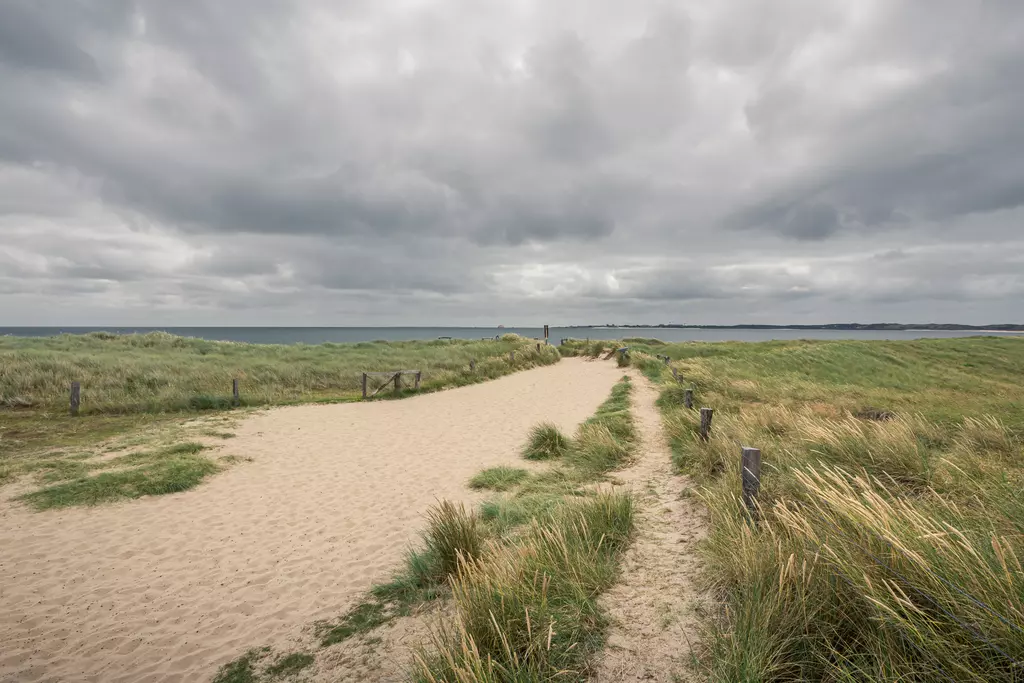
<point x="353" y="162"/>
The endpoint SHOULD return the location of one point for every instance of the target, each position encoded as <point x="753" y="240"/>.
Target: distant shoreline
<point x="839" y="327"/>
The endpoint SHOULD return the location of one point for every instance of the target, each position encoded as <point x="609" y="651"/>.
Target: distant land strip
<point x="1002" y="327"/>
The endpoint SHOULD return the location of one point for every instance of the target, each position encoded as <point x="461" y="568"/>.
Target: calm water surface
<point x="319" y="335"/>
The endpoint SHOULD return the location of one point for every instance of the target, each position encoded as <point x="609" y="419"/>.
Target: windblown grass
<point x="890" y="534"/>
<point x="547" y="442"/>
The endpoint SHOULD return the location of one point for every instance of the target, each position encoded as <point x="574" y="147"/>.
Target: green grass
<point x="159" y="372"/>
<point x="255" y="666"/>
<point x="147" y="473"/>
<point x="547" y="442"/>
<point x="890" y="537"/>
<point x="498" y="478"/>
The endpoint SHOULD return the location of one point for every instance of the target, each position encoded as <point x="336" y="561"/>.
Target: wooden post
<point x="235" y="400"/>
<point x="675" y="374"/>
<point x="418" y="373"/>
<point x="538" y="348"/>
<point x="364" y="385"/>
<point x="76" y="398"/>
<point x="472" y="366"/>
<point x="751" y="478"/>
<point x="688" y="398"/>
<point x="398" y="382"/>
<point x="545" y="334"/>
<point x="705" y="422"/>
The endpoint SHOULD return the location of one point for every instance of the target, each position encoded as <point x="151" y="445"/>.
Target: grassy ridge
<point x="161" y="372"/>
<point x="891" y="538"/>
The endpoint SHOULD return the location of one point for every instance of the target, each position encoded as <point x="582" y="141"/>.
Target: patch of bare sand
<point x="654" y="606"/>
<point x="168" y="588"/>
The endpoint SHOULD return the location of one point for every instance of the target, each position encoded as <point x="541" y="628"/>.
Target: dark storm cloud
<point x="450" y="161"/>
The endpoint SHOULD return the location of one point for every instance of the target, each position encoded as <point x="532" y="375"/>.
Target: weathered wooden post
<point x="76" y="398"/>
<point x="418" y="374"/>
<point x="705" y="422"/>
<point x="538" y="348"/>
<point x="364" y="385"/>
<point x="398" y="382"/>
<point x="545" y="334"/>
<point x="688" y="398"/>
<point x="751" y="478"/>
<point x="235" y="400"/>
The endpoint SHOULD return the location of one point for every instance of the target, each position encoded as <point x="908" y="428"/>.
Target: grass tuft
<point x="498" y="478"/>
<point x="547" y="442"/>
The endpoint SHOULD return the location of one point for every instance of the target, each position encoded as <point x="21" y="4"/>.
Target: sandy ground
<point x="654" y="607"/>
<point x="169" y="588"/>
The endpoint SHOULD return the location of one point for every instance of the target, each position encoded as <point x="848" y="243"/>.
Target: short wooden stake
<point x="418" y="373"/>
<point x="705" y="422"/>
<point x="76" y="398"/>
<point x="398" y="382"/>
<point x="538" y="348"/>
<point x="235" y="400"/>
<point x="751" y="478"/>
<point x="364" y="385"/>
<point x="688" y="398"/>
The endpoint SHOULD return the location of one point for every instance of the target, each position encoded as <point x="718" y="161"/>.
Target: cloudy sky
<point x="348" y="162"/>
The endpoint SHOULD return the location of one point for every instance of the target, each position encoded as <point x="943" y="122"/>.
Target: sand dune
<point x="169" y="588"/>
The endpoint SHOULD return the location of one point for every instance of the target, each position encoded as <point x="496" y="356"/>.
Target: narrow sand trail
<point x="168" y="588"/>
<point x="653" y="607"/>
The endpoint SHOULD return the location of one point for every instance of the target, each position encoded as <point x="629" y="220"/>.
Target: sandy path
<point x="168" y="588"/>
<point x="653" y="607"/>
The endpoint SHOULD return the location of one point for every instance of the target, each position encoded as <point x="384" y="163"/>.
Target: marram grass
<point x="890" y="537"/>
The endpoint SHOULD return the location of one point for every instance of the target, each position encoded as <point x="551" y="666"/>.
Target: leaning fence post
<point x="418" y="373"/>
<point x="76" y="398"/>
<point x="688" y="398"/>
<point x="705" y="422"/>
<point x="235" y="401"/>
<point x="364" y="385"/>
<point x="751" y="477"/>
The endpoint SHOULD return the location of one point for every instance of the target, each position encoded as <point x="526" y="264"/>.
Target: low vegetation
<point x="137" y="385"/>
<point x="260" y="664"/>
<point x="547" y="442"/>
<point x="889" y="540"/>
<point x="498" y="478"/>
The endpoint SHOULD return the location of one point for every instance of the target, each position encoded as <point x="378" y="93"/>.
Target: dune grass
<point x="260" y="664"/>
<point x="546" y="442"/>
<point x="890" y="536"/>
<point x="498" y="478"/>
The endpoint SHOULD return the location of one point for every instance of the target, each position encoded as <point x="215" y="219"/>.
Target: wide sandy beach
<point x="169" y="588"/>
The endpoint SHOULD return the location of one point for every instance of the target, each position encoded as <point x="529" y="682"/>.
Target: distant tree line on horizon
<point x="1002" y="327"/>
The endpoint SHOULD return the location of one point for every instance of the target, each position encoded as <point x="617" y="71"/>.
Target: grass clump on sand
<point x="257" y="666"/>
<point x="498" y="478"/>
<point x="547" y="442"/>
<point x="890" y="541"/>
<point x="146" y="473"/>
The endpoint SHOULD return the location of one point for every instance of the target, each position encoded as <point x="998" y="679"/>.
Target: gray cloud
<point x="262" y="162"/>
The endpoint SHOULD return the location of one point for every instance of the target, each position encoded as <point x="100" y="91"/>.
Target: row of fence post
<point x="750" y="458"/>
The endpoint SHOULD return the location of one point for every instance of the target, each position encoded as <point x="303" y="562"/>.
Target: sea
<point x="319" y="335"/>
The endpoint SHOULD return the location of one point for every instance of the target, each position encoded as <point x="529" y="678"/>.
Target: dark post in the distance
<point x="688" y="398"/>
<point x="538" y="348"/>
<point x="398" y="382"/>
<point x="705" y="422"/>
<point x="364" y="385"/>
<point x="751" y="477"/>
<point x="235" y="400"/>
<point x="545" y="334"/>
<point x="418" y="374"/>
<point x="76" y="398"/>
